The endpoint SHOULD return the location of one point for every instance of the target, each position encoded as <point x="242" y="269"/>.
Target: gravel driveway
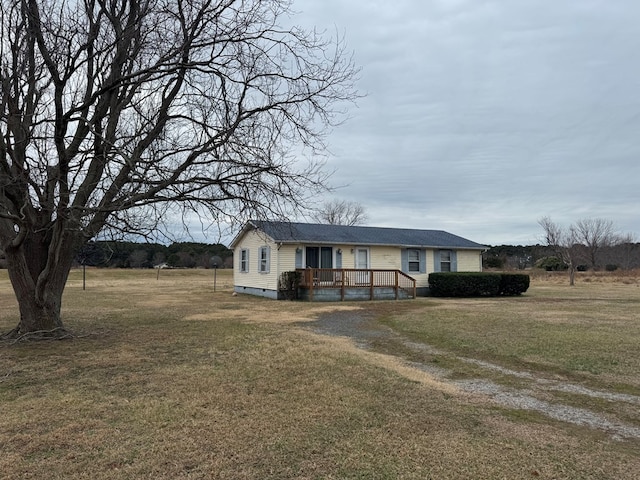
<point x="359" y="326"/>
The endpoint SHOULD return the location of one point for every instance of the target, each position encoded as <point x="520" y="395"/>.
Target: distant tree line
<point x="111" y="254"/>
<point x="623" y="256"/>
<point x="149" y="255"/>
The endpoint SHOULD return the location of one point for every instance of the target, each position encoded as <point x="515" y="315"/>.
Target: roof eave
<point x="365" y="244"/>
<point x="247" y="226"/>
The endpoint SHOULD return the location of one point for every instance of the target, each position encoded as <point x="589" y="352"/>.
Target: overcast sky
<point x="482" y="116"/>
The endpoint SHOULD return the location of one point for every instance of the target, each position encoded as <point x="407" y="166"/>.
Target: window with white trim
<point x="413" y="258"/>
<point x="263" y="259"/>
<point x="445" y="260"/>
<point x="244" y="260"/>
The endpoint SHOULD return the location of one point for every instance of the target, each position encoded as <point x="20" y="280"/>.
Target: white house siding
<point x="430" y="265"/>
<point x="348" y="256"/>
<point x="385" y="258"/>
<point x="469" y="261"/>
<point x="422" y="279"/>
<point x="286" y="256"/>
<point x="253" y="281"/>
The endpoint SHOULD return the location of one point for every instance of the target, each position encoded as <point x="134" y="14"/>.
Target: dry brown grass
<point x="625" y="277"/>
<point x="178" y="382"/>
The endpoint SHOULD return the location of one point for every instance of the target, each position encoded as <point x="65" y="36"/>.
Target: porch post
<point x="370" y="284"/>
<point x="397" y="287"/>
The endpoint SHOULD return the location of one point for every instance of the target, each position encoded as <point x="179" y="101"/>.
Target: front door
<point x="320" y="257"/>
<point x="362" y="263"/>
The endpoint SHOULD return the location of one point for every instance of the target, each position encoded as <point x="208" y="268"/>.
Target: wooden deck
<point x="355" y="284"/>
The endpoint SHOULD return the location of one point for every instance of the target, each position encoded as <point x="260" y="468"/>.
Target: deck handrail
<point x="342" y="278"/>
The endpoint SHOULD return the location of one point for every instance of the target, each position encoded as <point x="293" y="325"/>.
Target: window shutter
<point x="298" y="257"/>
<point x="454" y="261"/>
<point x="436" y="260"/>
<point x="338" y="259"/>
<point x="404" y="259"/>
<point x="423" y="261"/>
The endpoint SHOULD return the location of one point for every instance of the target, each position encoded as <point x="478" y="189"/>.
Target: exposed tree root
<point x="16" y="336"/>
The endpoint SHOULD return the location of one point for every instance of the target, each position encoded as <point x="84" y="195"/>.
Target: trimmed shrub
<point x="514" y="283"/>
<point x="477" y="284"/>
<point x="466" y="284"/>
<point x="288" y="284"/>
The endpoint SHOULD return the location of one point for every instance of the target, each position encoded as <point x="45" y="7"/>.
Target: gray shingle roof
<point x="291" y="232"/>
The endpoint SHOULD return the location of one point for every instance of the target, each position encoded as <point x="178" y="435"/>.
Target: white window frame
<point x="445" y="261"/>
<point x="263" y="259"/>
<point x="415" y="262"/>
<point x="244" y="260"/>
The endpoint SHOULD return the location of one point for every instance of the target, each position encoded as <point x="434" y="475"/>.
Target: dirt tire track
<point x="359" y="326"/>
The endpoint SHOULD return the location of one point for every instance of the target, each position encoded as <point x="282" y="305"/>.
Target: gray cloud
<point x="483" y="116"/>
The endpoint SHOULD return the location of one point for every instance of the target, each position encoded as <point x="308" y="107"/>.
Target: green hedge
<point x="472" y="284"/>
<point x="513" y="283"/>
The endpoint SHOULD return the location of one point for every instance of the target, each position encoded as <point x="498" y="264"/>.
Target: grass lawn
<point x="169" y="380"/>
<point x="588" y="333"/>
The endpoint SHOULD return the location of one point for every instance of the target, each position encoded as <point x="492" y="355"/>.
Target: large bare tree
<point x="114" y="111"/>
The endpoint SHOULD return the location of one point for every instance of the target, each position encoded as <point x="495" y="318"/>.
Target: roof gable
<point x="293" y="232"/>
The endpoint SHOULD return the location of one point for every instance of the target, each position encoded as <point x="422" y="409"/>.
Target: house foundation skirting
<point x="321" y="294"/>
<point x="260" y="292"/>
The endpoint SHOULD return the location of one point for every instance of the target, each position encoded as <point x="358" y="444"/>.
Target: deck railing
<point x="343" y="278"/>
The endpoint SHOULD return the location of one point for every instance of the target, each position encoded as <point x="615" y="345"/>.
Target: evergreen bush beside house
<point x="473" y="284"/>
<point x="289" y="283"/>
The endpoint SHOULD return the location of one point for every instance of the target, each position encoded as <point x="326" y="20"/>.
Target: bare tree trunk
<point x="112" y="113"/>
<point x="564" y="244"/>
<point x="572" y="275"/>
<point x="38" y="286"/>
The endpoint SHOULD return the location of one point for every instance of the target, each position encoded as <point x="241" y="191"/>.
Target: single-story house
<point x="347" y="262"/>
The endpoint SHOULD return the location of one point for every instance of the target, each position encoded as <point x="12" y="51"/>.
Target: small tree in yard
<point x="563" y="244"/>
<point x="113" y="113"/>
<point x="595" y="234"/>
